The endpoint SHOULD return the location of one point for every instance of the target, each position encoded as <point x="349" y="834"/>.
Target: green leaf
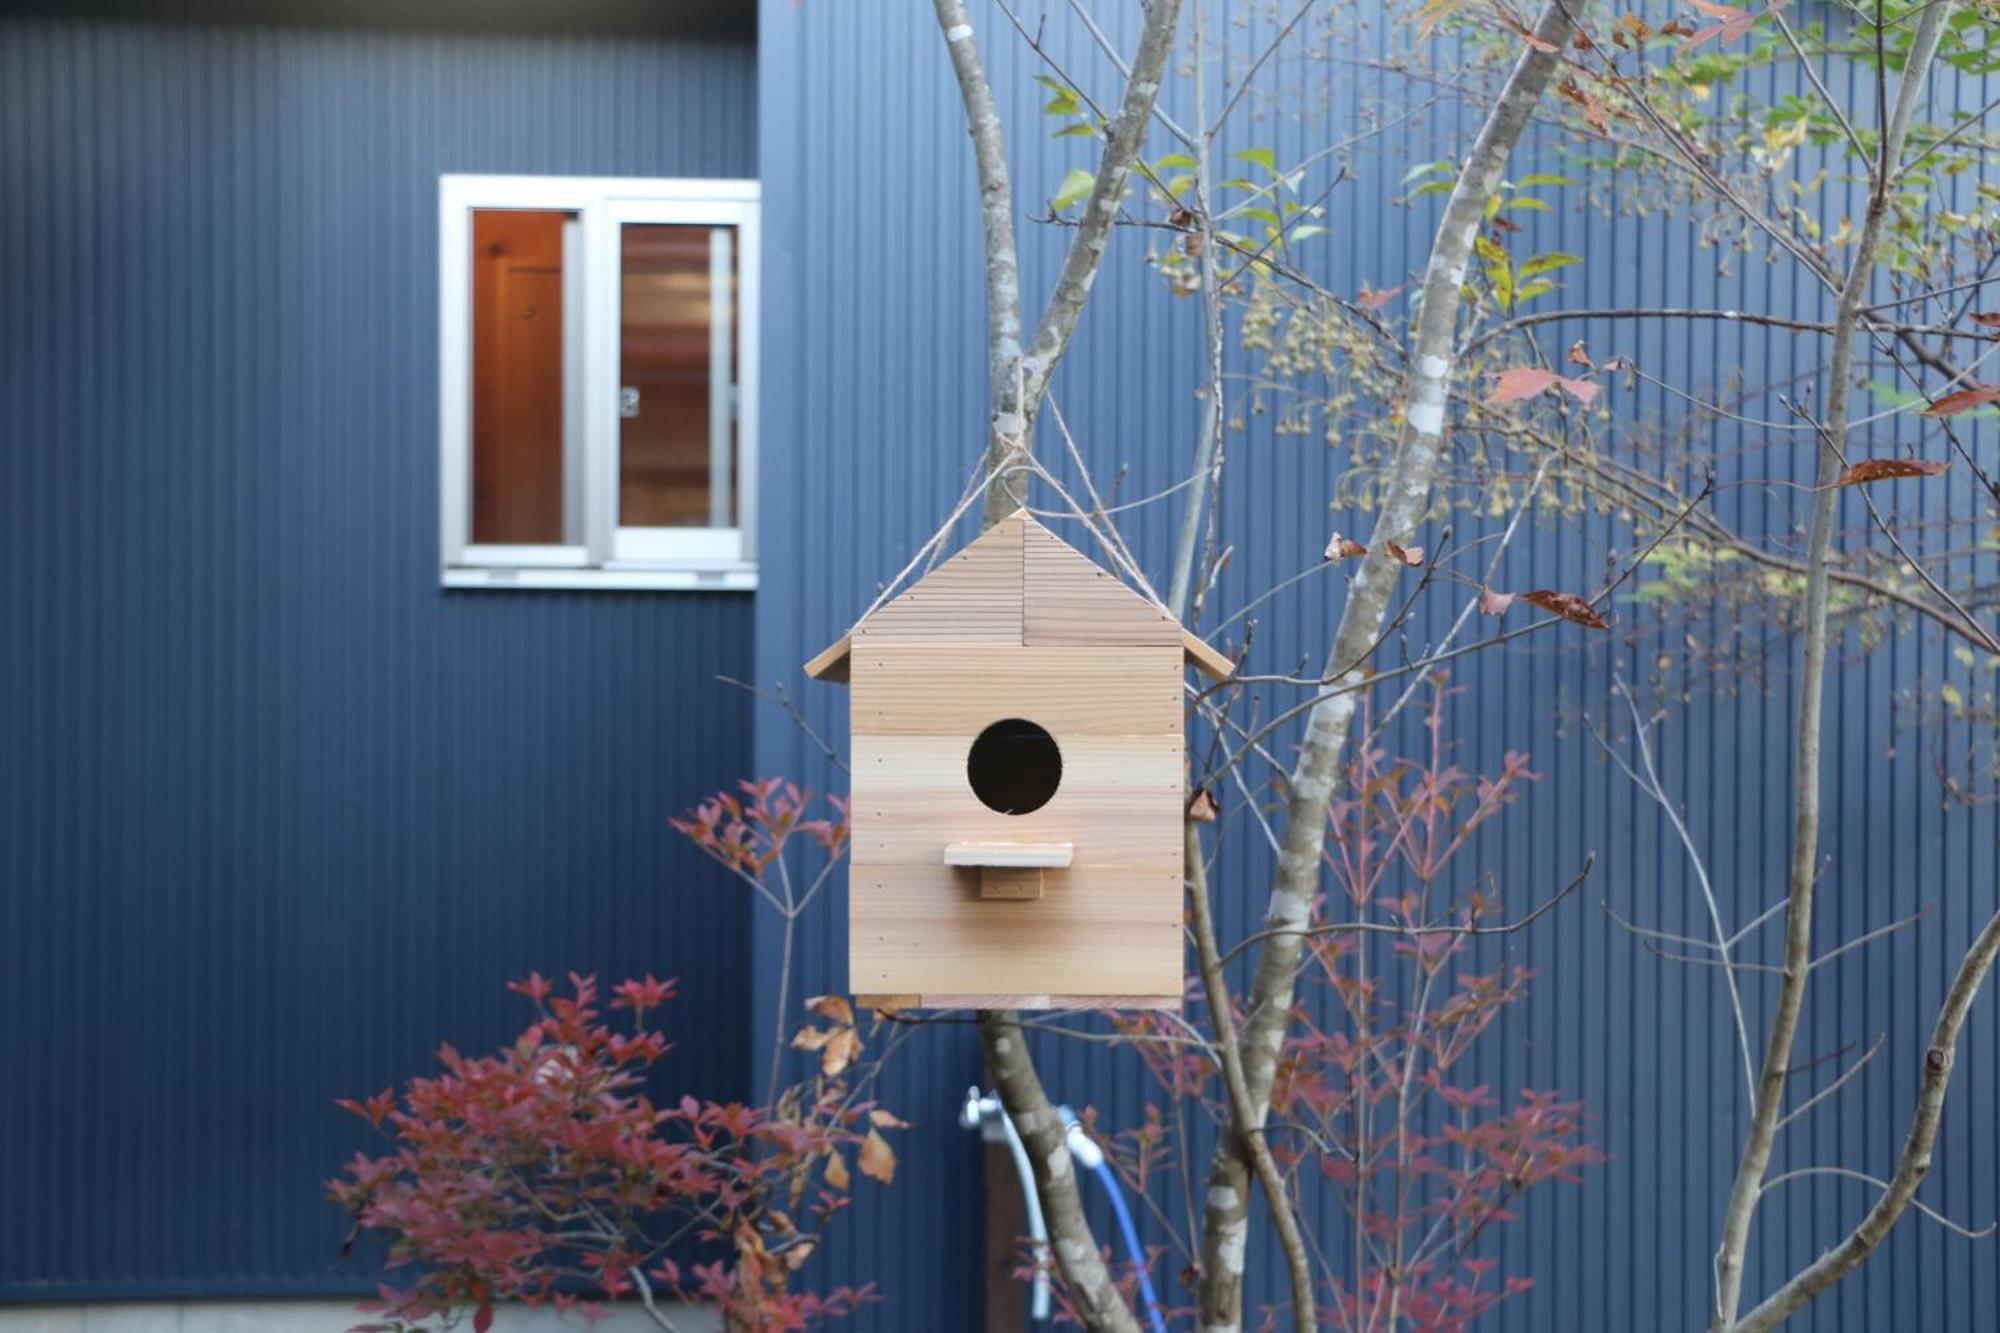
<point x="1075" y="188"/>
<point x="1530" y="202"/>
<point x="1306" y="232"/>
<point x="1425" y="169"/>
<point x="1263" y="157"/>
<point x="1263" y="215"/>
<point x="1173" y="162"/>
<point x="1432" y="187"/>
<point x="1549" y="263"/>
<point x="1077" y="130"/>
<point x="1545" y="178"/>
<point x="1530" y="290"/>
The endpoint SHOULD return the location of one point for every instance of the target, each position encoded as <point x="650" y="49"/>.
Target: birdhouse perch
<point x="1018" y="763"/>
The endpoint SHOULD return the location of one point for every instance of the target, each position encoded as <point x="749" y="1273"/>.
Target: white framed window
<point x="597" y="405"/>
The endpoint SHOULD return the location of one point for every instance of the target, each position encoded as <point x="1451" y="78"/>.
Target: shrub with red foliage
<point x="1372" y="1106"/>
<point x="546" y="1173"/>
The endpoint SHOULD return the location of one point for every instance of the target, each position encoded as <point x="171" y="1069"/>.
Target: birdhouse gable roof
<point x="1019" y="584"/>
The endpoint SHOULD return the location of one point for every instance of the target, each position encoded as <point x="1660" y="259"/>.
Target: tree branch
<point x="1018" y="381"/>
<point x="1224" y="1249"/>
<point x="1295" y="884"/>
<point x="1042" y="1131"/>
<point x="1010" y="419"/>
<point x="1915" y="1162"/>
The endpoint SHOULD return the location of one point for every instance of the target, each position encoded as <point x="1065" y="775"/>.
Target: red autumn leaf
<point x="1583" y="391"/>
<point x="878" y="1159"/>
<point x="1888" y="469"/>
<point x="482" y="1318"/>
<point x="1520" y="383"/>
<point x="1567" y="605"/>
<point x="1413" y="556"/>
<point x="1372" y="300"/>
<point x="1988" y="318"/>
<point x="1735" y="22"/>
<point x="1342" y="548"/>
<point x="1964" y="400"/>
<point x="1525" y="382"/>
<point x="1494" y="603"/>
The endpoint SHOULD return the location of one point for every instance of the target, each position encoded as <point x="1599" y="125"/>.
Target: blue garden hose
<point x="1110" y="1179"/>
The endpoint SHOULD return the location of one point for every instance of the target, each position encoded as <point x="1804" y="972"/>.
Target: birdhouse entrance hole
<point x="1014" y="767"/>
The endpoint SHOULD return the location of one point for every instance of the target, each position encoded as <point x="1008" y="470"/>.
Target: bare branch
<point x="1835" y="1086"/>
<point x="1900" y="1191"/>
<point x="1847" y="1173"/>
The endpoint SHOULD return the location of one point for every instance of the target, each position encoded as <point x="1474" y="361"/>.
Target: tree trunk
<point x="1755" y="1159"/>
<point x="1405" y="499"/>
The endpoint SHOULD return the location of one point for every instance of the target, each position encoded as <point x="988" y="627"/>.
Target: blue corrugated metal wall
<point x="874" y="410"/>
<point x="276" y="814"/>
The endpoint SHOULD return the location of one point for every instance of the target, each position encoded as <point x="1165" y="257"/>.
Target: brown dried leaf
<point x="1413" y="556"/>
<point x="1988" y="318"/>
<point x="1888" y="469"/>
<point x="834" y="1007"/>
<point x="1567" y="605"/>
<point x="1495" y="603"/>
<point x="1577" y="356"/>
<point x="1964" y="400"/>
<point x="1203" y="809"/>
<point x="836" y="1172"/>
<point x="810" y="1039"/>
<point x="878" y="1159"/>
<point x="1343" y="548"/>
<point x="887" y="1119"/>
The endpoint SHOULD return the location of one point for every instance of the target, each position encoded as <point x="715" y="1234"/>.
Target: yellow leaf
<point x="836" y="1172"/>
<point x="840" y="1051"/>
<point x="878" y="1159"/>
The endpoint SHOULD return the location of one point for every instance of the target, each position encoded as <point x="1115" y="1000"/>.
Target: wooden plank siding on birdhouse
<point x="957" y="902"/>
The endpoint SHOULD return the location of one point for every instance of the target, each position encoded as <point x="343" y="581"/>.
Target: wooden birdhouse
<point x="1018" y="773"/>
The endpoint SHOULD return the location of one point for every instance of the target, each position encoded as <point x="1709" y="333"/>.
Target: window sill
<point x="719" y="578"/>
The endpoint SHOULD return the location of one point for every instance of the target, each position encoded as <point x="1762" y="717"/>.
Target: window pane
<point x="676" y="376"/>
<point x="517" y="375"/>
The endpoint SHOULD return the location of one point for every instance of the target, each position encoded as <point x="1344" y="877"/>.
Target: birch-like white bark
<point x="1755" y="1158"/>
<point x="1086" y="1276"/>
<point x="1019" y="376"/>
<point x="1008" y="423"/>
<point x="1018" y="380"/>
<point x="1406" y="496"/>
